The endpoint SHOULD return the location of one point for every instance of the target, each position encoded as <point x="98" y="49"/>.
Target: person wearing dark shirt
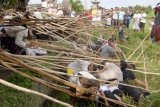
<point x="128" y="75"/>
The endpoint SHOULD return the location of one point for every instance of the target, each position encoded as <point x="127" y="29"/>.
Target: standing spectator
<point x="143" y="16"/>
<point x="155" y="34"/>
<point x="109" y="21"/>
<point x="115" y="17"/>
<point x="73" y="14"/>
<point x="121" y="15"/>
<point x="127" y="19"/>
<point x="136" y="20"/>
<point x="151" y="23"/>
<point x="59" y="12"/>
<point x="37" y="14"/>
<point x="89" y="14"/>
<point x="157" y="14"/>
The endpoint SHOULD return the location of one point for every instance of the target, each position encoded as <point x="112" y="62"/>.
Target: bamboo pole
<point x="21" y="63"/>
<point x="138" y="46"/>
<point x="33" y="92"/>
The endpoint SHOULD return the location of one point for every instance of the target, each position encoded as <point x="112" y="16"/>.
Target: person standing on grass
<point x="155" y="33"/>
<point x="136" y="20"/>
<point x="143" y="16"/>
<point x="121" y="16"/>
<point x="109" y="21"/>
<point x="127" y="18"/>
<point x="115" y="17"/>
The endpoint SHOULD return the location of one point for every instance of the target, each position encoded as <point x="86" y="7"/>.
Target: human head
<point x="92" y="67"/>
<point x="123" y="65"/>
<point x="142" y="11"/>
<point x="87" y="83"/>
<point x="111" y="42"/>
<point x="137" y="11"/>
<point x="131" y="66"/>
<point x="31" y="34"/>
<point x="158" y="5"/>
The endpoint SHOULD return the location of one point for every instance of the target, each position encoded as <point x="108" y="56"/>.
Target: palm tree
<point x="76" y="5"/>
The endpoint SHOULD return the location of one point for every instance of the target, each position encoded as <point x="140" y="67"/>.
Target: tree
<point x="19" y="5"/>
<point x="76" y="5"/>
<point x="22" y="5"/>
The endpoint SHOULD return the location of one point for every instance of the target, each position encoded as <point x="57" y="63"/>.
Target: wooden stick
<point x="142" y="53"/>
<point x="138" y="47"/>
<point x="33" y="92"/>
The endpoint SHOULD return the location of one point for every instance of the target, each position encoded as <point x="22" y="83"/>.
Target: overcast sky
<point x="114" y="3"/>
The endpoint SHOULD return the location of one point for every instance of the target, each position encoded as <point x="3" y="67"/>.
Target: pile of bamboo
<point x="70" y="35"/>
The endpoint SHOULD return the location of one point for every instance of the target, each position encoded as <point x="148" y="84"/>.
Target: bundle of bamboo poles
<point x="70" y="36"/>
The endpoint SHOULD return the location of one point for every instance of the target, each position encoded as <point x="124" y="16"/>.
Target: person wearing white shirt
<point x="143" y="16"/>
<point x="86" y="80"/>
<point x="59" y="13"/>
<point x="136" y="21"/>
<point x="37" y="14"/>
<point x="121" y="16"/>
<point x="109" y="21"/>
<point x="20" y="36"/>
<point x="110" y="72"/>
<point x="16" y="34"/>
<point x="110" y="91"/>
<point x="115" y="18"/>
<point x="73" y="14"/>
<point x="77" y="66"/>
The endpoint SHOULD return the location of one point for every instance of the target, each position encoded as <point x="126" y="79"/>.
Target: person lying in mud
<point x="110" y="71"/>
<point x="16" y="40"/>
<point x="130" y="78"/>
<point x="111" y="91"/>
<point x="86" y="80"/>
<point x="80" y="65"/>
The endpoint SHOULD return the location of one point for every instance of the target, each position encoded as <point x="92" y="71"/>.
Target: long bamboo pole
<point x="33" y="92"/>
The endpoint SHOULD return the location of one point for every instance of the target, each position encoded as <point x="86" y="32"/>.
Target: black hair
<point x="94" y="67"/>
<point x="101" y="66"/>
<point x="123" y="65"/>
<point x="118" y="92"/>
<point x="131" y="66"/>
<point x="111" y="39"/>
<point x="3" y="31"/>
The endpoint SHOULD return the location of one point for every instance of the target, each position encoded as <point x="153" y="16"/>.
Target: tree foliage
<point x="19" y="5"/>
<point x="147" y="9"/>
<point x="77" y="5"/>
